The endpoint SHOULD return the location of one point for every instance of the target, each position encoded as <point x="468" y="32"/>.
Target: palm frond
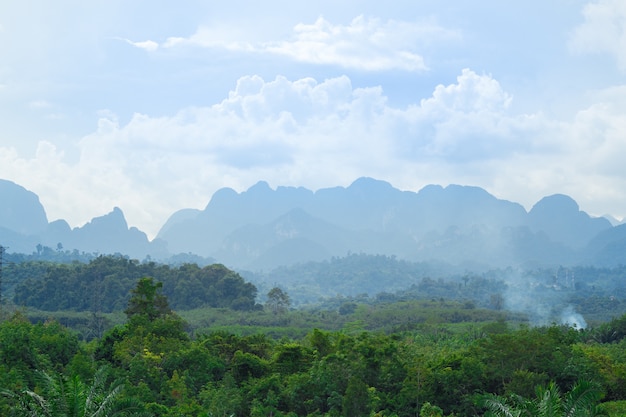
<point x="129" y="407"/>
<point x="498" y="406"/>
<point x="582" y="400"/>
<point x="75" y="397"/>
<point x="549" y="401"/>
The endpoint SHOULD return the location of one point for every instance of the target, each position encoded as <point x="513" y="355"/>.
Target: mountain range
<point x="262" y="228"/>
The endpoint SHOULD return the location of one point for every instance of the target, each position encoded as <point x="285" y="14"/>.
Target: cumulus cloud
<point x="603" y="31"/>
<point x="472" y="93"/>
<point x="364" y="44"/>
<point x="326" y="133"/>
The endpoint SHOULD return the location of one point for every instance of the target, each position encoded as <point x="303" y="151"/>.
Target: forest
<point x="202" y="341"/>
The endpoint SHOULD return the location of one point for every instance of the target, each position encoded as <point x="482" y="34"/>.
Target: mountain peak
<point x="260" y="187"/>
<point x="560" y="217"/>
<point x="222" y="196"/>
<point x="21" y="211"/>
<point x="368" y="183"/>
<point x="114" y="220"/>
<point x="555" y="203"/>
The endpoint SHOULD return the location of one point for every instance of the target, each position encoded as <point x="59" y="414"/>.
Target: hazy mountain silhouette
<point x="560" y="218"/>
<point x="262" y="228"/>
<point x="459" y="224"/>
<point x="24" y="226"/>
<point x="203" y="232"/>
<point x="20" y="210"/>
<point x="608" y="248"/>
<point x="110" y="234"/>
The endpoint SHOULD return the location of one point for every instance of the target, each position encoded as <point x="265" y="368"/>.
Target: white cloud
<point x="364" y="44"/>
<point x="147" y="45"/>
<point x="603" y="31"/>
<point x="472" y="93"/>
<point x="319" y="134"/>
<point x="213" y="37"/>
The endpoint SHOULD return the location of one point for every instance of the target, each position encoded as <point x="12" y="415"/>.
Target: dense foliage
<point x="104" y="284"/>
<point x="442" y="347"/>
<point x="429" y="370"/>
<point x="544" y="293"/>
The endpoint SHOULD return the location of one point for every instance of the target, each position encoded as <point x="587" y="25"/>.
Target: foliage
<point x="380" y="357"/>
<point x="104" y="285"/>
<point x="277" y="300"/>
<point x="147" y="302"/>
<point x="71" y="397"/>
<point x="582" y="400"/>
<point x="593" y="292"/>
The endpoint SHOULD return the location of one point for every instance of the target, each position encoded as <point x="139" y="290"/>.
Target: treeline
<point x="542" y="292"/>
<point x="426" y="372"/>
<point x="104" y="284"/>
<point x="44" y="253"/>
<point x="352" y="275"/>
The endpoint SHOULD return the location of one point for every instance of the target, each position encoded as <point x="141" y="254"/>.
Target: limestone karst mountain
<point x="459" y="224"/>
<point x="262" y="228"/>
<point x="20" y="210"/>
<point x="24" y="227"/>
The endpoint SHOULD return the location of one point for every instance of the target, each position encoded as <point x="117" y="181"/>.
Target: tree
<point x="581" y="401"/>
<point x="429" y="410"/>
<point x="147" y="301"/>
<point x="356" y="401"/>
<point x="496" y="301"/>
<point x="277" y="300"/>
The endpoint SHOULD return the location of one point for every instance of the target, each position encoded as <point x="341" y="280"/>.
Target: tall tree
<point x="356" y="401"/>
<point x="277" y="300"/>
<point x="147" y="301"/>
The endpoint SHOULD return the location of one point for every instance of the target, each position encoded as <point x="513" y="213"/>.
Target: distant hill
<point x="24" y="228"/>
<point x="457" y="224"/>
<point x="20" y="210"/>
<point x="262" y="228"/>
<point x="559" y="217"/>
<point x="608" y="248"/>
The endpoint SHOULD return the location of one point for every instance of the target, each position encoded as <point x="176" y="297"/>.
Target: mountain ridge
<point x="262" y="228"/>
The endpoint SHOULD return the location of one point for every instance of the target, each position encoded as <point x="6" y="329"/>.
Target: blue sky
<point x="152" y="106"/>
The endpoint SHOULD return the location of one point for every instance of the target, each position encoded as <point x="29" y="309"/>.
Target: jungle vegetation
<point x="391" y="354"/>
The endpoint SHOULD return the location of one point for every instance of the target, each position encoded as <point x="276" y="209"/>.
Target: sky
<point x="152" y="106"/>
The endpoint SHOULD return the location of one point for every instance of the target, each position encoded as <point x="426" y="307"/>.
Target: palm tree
<point x="580" y="401"/>
<point x="73" y="398"/>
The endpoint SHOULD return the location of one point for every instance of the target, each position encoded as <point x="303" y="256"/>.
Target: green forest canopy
<point x="167" y="372"/>
<point x="104" y="285"/>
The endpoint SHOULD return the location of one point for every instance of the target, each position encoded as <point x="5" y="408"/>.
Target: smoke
<point x="570" y="317"/>
<point x="542" y="299"/>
